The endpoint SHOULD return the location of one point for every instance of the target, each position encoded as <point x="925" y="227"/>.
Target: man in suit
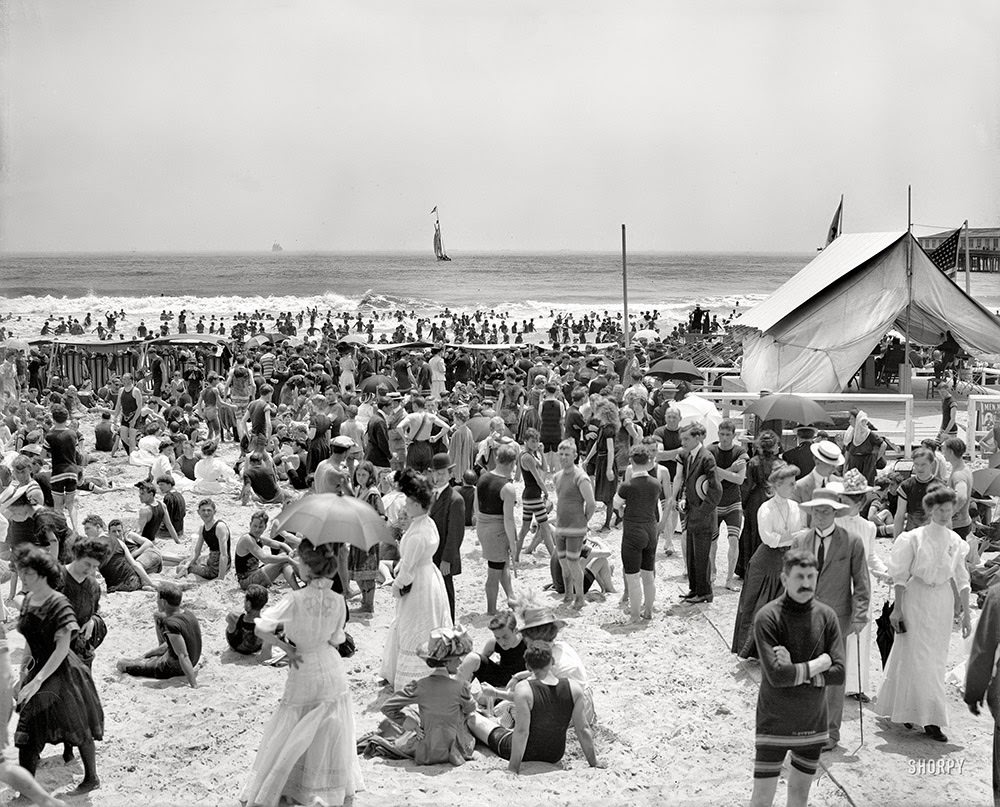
<point x="842" y="583"/>
<point x="378" y="452"/>
<point x="827" y="457"/>
<point x="801" y="456"/>
<point x="981" y="679"/>
<point x="448" y="514"/>
<point x="701" y="493"/>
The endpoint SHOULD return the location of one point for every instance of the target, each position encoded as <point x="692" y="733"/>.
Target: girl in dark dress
<point x="756" y="491"/>
<point x="57" y="698"/>
<point x="319" y="436"/>
<point x="363" y="565"/>
<point x="80" y="587"/>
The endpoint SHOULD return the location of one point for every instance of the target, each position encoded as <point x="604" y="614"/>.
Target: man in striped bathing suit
<point x="801" y="652"/>
<point x="730" y="470"/>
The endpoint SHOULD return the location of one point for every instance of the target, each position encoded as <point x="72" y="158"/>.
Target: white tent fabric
<point x="815" y="331"/>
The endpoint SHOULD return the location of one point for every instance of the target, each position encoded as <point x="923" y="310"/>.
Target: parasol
<point x="789" y="407"/>
<point x="678" y="369"/>
<point x="986" y="482"/>
<point x="15" y="344"/>
<point x="353" y="339"/>
<point x="480" y="428"/>
<point x="694" y="409"/>
<point x="646" y="333"/>
<point x="326" y="518"/>
<point x="370" y="384"/>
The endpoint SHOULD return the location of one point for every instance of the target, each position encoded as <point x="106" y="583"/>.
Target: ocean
<point x="35" y="286"/>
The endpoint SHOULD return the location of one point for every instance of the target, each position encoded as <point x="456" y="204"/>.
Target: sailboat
<point x="439" y="252"/>
<point x="276" y="247"/>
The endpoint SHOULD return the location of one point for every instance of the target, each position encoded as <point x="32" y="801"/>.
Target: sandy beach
<point x="675" y="708"/>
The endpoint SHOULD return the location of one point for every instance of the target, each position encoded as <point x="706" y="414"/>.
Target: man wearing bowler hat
<point x="448" y="514"/>
<point x="842" y="583"/>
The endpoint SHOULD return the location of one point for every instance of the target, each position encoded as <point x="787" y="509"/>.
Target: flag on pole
<point x="945" y="257"/>
<point x="834" y="230"/>
<point x="435" y="210"/>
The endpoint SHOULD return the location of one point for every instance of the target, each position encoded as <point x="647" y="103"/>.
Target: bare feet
<point x="85" y="787"/>
<point x="578" y="603"/>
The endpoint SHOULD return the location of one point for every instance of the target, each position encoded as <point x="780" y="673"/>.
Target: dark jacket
<point x="699" y="510"/>
<point x="980" y="676"/>
<point x="448" y="514"/>
<point x="843" y="580"/>
<point x="378" y="453"/>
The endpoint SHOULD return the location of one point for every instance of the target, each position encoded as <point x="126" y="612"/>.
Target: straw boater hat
<point x="446" y="644"/>
<point x="827" y="451"/>
<point x="825" y="497"/>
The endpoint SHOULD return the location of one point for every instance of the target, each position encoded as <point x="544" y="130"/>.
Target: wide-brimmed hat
<point x="827" y="451"/>
<point x="441" y="462"/>
<point x="853" y="484"/>
<point x="445" y="644"/>
<point x="805" y="432"/>
<point x="533" y="617"/>
<point x="825" y="497"/>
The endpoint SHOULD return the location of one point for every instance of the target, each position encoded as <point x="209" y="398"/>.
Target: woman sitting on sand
<point x="544" y="706"/>
<point x="213" y="476"/>
<point x="148" y="448"/>
<point x="443" y="703"/>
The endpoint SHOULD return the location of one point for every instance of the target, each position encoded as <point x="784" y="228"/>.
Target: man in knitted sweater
<point x="800" y="652"/>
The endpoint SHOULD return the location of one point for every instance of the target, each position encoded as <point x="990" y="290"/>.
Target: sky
<point x="217" y="125"/>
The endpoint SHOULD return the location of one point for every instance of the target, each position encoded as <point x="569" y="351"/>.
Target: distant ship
<point x="439" y="252"/>
<point x="276" y="247"/>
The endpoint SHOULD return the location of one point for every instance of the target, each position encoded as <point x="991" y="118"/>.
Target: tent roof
<point x="843" y="256"/>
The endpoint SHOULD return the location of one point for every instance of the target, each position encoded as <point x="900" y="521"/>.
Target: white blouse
<point x="933" y="554"/>
<point x="777" y="521"/>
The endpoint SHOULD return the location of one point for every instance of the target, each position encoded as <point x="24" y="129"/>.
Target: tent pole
<point x="968" y="268"/>
<point x="625" y="328"/>
<point x="906" y="378"/>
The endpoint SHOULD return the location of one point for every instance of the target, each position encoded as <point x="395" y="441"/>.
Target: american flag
<point x="834" y="232"/>
<point x="945" y="257"/>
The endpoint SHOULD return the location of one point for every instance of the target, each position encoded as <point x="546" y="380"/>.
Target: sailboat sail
<point x="439" y="252"/>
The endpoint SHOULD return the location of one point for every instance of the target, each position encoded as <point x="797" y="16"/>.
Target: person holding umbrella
<point x="308" y="751"/>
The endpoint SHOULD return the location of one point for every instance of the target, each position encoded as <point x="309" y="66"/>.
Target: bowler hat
<point x="441" y="462"/>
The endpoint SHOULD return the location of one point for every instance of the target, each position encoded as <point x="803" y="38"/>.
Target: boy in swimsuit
<point x="128" y="408"/>
<point x="240" y="626"/>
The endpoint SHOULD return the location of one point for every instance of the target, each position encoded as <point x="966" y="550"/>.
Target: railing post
<point x="970" y="430"/>
<point x="908" y="427"/>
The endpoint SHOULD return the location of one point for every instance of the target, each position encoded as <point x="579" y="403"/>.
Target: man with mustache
<point x="801" y="652"/>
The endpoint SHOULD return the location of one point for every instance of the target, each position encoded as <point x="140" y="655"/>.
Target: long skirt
<point x="913" y="690"/>
<point x="761" y="584"/>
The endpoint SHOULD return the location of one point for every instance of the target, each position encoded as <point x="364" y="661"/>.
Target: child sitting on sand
<point x="240" y="626"/>
<point x="179" y="634"/>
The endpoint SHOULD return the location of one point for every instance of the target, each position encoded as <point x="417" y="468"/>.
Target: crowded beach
<point x="323" y="552"/>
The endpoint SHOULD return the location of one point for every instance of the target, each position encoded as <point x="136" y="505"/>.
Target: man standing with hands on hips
<point x="842" y="583"/>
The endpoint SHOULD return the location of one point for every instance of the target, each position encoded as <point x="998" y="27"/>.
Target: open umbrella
<point x="480" y="428"/>
<point x="694" y="409"/>
<point x="986" y="482"/>
<point x="646" y="333"/>
<point x="327" y="518"/>
<point x="14" y="344"/>
<point x="257" y="341"/>
<point x="353" y="339"/>
<point x="678" y="369"/>
<point x="789" y="407"/>
<point x="370" y="384"/>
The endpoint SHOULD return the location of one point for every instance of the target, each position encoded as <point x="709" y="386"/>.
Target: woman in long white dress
<point x="421" y="598"/>
<point x="923" y="564"/>
<point x="308" y="754"/>
<point x="854" y="493"/>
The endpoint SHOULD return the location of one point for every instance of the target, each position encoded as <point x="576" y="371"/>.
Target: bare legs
<point x="495" y="578"/>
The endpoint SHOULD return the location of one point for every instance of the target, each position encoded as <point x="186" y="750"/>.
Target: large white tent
<point x="815" y="331"/>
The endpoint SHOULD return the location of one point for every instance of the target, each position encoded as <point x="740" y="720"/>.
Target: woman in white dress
<point x="308" y="753"/>
<point x="211" y="475"/>
<point x="347" y="368"/>
<point x="923" y="564"/>
<point x="421" y="598"/>
<point x="854" y="493"/>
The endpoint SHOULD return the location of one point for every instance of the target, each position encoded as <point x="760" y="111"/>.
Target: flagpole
<point x="905" y="382"/>
<point x="968" y="268"/>
<point x="625" y="328"/>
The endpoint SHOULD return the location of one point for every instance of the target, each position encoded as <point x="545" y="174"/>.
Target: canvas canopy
<point x="815" y="331"/>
